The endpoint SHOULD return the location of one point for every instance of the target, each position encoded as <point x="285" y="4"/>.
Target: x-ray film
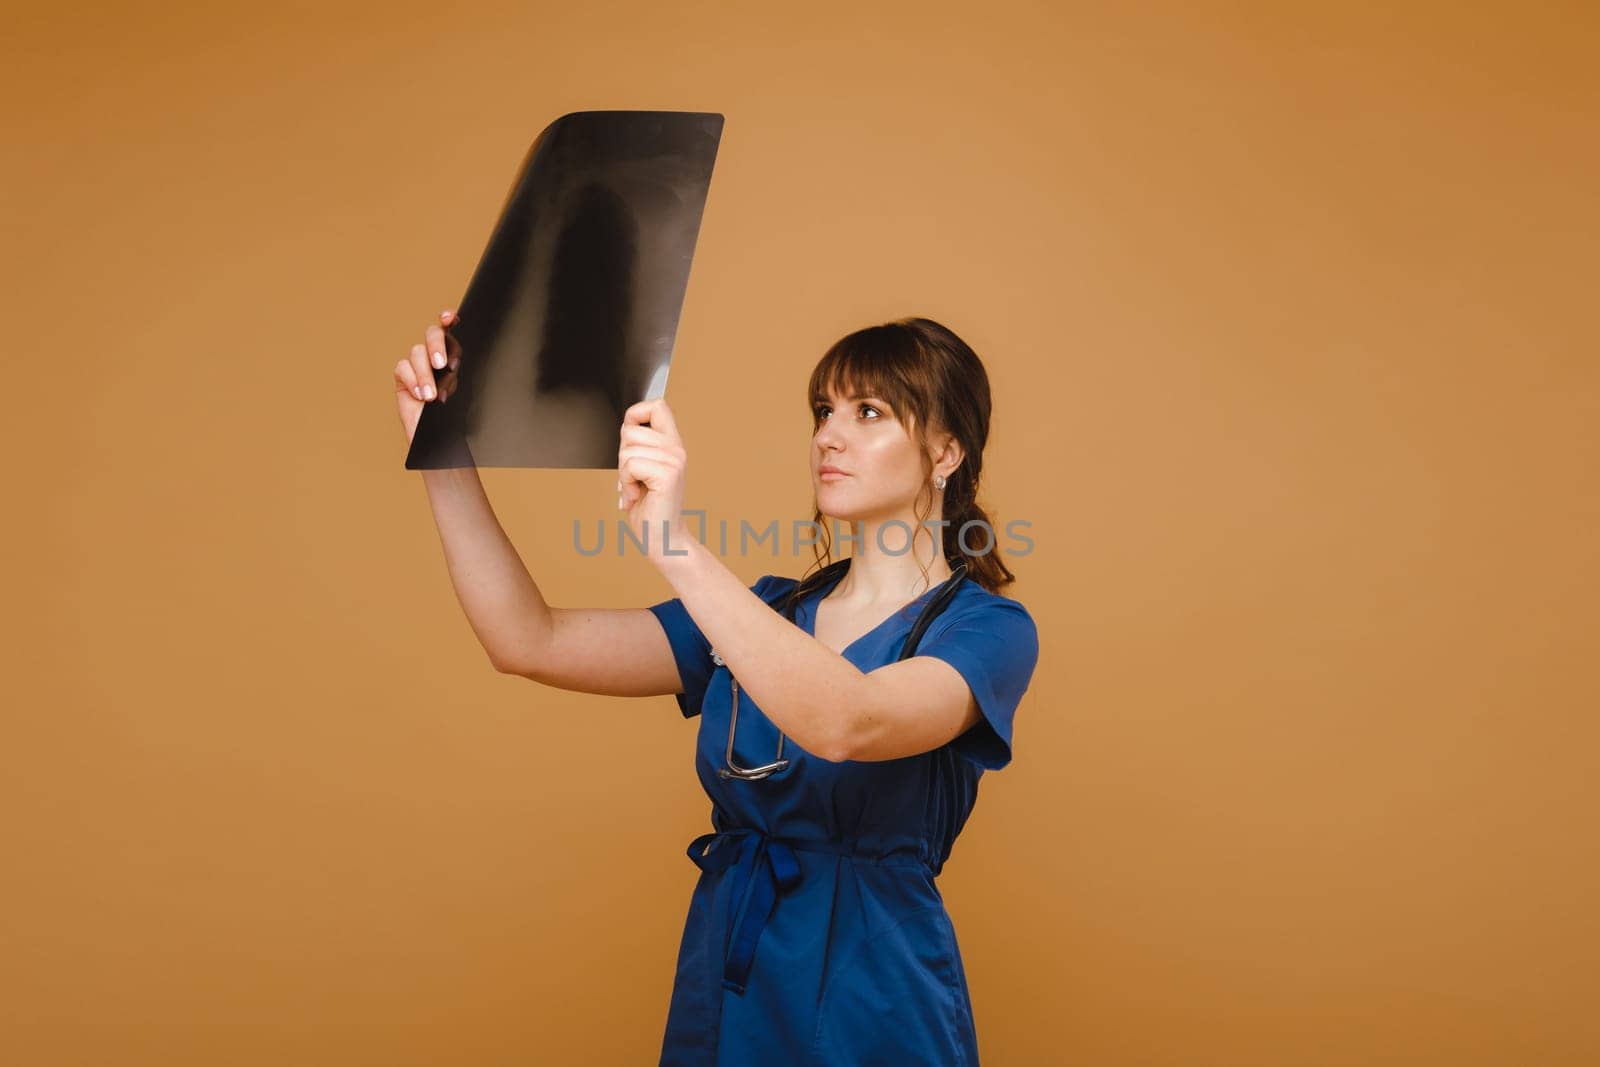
<point x="570" y="316"/>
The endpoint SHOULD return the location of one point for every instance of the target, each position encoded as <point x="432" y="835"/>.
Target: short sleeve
<point x="995" y="647"/>
<point x="691" y="650"/>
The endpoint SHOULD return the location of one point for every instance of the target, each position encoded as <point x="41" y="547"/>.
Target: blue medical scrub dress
<point x="815" y="933"/>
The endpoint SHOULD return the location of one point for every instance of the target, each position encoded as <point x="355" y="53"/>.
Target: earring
<point x="938" y="481"/>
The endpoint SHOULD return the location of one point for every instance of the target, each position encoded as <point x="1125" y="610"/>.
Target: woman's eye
<point x="822" y="409"/>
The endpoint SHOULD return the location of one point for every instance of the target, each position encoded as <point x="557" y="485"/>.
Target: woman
<point x="815" y="933"/>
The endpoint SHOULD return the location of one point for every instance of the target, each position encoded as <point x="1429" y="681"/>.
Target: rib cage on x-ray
<point x="571" y="314"/>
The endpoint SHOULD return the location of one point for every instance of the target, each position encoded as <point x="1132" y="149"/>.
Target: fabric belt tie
<point x="766" y="868"/>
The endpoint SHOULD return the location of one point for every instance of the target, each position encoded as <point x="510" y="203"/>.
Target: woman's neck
<point x="877" y="577"/>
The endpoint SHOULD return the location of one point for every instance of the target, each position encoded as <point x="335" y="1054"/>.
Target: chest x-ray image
<point x="571" y="313"/>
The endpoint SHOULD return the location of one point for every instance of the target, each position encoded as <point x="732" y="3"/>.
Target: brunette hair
<point x="935" y="382"/>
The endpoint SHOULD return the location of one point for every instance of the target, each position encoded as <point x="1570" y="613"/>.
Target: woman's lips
<point x="832" y="476"/>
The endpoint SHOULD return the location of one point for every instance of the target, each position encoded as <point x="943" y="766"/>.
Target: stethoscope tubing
<point x="930" y="611"/>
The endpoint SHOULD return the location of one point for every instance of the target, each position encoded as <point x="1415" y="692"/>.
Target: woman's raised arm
<point x="616" y="651"/>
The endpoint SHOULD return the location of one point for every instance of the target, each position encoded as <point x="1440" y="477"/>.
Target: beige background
<point x="1289" y="314"/>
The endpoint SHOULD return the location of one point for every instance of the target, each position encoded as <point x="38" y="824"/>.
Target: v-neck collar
<point x="810" y="604"/>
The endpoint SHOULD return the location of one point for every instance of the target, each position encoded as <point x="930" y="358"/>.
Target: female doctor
<point x="844" y="719"/>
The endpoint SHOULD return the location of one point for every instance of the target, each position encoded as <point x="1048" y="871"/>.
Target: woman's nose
<point x="827" y="438"/>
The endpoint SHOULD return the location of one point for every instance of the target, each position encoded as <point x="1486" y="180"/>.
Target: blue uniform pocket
<point x="898" y="999"/>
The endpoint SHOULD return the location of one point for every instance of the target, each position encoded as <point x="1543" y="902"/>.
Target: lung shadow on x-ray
<point x="583" y="357"/>
<point x="554" y="383"/>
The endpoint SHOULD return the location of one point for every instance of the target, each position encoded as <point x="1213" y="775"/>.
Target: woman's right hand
<point x="429" y="373"/>
<point x="650" y="468"/>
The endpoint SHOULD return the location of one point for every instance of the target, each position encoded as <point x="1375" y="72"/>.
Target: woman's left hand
<point x="650" y="469"/>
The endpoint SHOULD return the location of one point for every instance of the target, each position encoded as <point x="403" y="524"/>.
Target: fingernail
<point x="438" y="361"/>
<point x="416" y="391"/>
<point x="429" y="391"/>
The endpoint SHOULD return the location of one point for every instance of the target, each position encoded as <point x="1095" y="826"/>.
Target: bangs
<point x="879" y="361"/>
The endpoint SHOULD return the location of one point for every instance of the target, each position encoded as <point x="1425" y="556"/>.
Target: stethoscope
<point x="834" y="570"/>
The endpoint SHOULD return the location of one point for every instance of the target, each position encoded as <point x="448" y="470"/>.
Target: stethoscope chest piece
<point x="730" y="768"/>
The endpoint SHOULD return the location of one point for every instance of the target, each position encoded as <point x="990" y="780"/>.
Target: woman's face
<point x="882" y="466"/>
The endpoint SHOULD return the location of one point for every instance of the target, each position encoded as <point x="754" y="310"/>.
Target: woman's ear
<point x="950" y="455"/>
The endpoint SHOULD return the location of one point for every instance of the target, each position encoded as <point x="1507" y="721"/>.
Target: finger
<point x="405" y="378"/>
<point x="661" y="419"/>
<point x="645" y="435"/>
<point x="653" y="413"/>
<point x="452" y="347"/>
<point x="419" y="362"/>
<point x="641" y="471"/>
<point x="661" y="461"/>
<point x="658" y="455"/>
<point x="638" y="413"/>
<point x="434" y="337"/>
